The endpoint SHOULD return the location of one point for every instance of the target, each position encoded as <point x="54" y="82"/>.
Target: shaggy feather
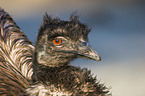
<point x="15" y="57"/>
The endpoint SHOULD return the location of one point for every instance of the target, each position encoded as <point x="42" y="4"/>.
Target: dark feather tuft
<point x="55" y="27"/>
<point x="74" y="17"/>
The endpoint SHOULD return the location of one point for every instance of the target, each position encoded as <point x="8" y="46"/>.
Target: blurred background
<point x="118" y="35"/>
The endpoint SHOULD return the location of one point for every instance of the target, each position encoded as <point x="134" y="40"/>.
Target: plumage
<point x="45" y="69"/>
<point x="15" y="57"/>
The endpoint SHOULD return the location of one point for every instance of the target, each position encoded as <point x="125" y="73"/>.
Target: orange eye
<point x="57" y="41"/>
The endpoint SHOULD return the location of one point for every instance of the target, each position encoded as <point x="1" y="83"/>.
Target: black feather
<point x="73" y="28"/>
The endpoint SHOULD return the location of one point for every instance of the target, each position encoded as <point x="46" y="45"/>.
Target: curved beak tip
<point x="94" y="55"/>
<point x="86" y="51"/>
<point x="98" y="58"/>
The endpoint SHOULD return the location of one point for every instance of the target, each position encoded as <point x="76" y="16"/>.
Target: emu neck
<point x="57" y="74"/>
<point x="64" y="76"/>
<point x="45" y="73"/>
<point x="48" y="73"/>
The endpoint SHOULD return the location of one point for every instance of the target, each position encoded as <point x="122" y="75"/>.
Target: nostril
<point x="84" y="43"/>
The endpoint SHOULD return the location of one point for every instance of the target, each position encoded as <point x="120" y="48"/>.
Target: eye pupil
<point x="57" y="41"/>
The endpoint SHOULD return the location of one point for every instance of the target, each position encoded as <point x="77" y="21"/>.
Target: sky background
<point x="118" y="35"/>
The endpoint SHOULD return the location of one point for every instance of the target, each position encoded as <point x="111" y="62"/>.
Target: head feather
<point x="74" y="17"/>
<point x="73" y="28"/>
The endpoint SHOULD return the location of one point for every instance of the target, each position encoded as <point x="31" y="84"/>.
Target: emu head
<point x="59" y="42"/>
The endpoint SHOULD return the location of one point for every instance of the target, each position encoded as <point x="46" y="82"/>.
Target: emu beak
<point x="86" y="51"/>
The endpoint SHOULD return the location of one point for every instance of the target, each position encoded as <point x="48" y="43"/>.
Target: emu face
<point x="59" y="42"/>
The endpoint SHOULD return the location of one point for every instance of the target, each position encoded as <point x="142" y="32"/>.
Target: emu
<point x="44" y="69"/>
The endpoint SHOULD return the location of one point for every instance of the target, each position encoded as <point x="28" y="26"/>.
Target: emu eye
<point x="57" y="41"/>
